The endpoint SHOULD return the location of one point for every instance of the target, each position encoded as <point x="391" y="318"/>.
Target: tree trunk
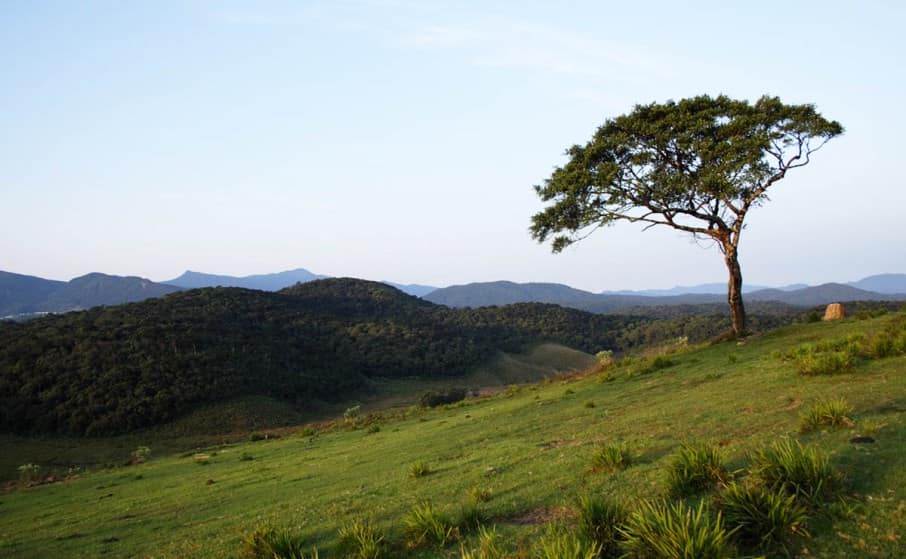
<point x="734" y="290"/>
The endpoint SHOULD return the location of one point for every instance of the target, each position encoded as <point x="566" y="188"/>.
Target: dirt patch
<point x="540" y="515"/>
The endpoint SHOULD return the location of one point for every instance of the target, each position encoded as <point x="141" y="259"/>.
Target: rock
<point x="834" y="311"/>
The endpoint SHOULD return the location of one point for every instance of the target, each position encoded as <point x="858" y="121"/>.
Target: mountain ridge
<point x="504" y="292"/>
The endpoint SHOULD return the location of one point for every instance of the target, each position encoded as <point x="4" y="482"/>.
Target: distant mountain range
<point x="505" y="293"/>
<point x="20" y="294"/>
<point x="262" y="282"/>
<point x="27" y="295"/>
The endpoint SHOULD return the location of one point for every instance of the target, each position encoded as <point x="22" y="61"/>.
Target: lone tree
<point x="698" y="165"/>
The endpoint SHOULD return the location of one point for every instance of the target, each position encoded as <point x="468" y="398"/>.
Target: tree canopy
<point x="697" y="165"/>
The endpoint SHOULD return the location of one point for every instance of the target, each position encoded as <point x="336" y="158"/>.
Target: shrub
<point x="245" y="457"/>
<point x="419" y="469"/>
<point x="804" y="472"/>
<point x="29" y="473"/>
<point x="659" y="362"/>
<point x="559" y="544"/>
<point x="351" y="415"/>
<point x="761" y="519"/>
<point x="426" y="525"/>
<point x="676" y="531"/>
<point x="361" y="539"/>
<point x="374" y="428"/>
<point x="255" y="437"/>
<point x="489" y="546"/>
<point x="695" y="468"/>
<point x="600" y="520"/>
<point x="140" y="454"/>
<point x="831" y="413"/>
<point x="434" y="398"/>
<point x="612" y="457"/>
<point x="825" y="363"/>
<point x="267" y="542"/>
<point x="605" y="357"/>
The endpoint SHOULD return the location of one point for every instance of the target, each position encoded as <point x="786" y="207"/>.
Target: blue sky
<point x="400" y="140"/>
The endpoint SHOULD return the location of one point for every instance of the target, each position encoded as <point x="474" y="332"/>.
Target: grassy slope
<point x="539" y="440"/>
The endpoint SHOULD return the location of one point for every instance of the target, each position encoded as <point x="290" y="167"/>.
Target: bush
<point x="801" y="471"/>
<point x="695" y="468"/>
<point x="419" y="469"/>
<point x="676" y="531"/>
<point x="267" y="542"/>
<point x="361" y="539"/>
<point x="141" y="454"/>
<point x="426" y="525"/>
<point x="434" y="398"/>
<point x="761" y="519"/>
<point x="831" y="413"/>
<point x="600" y="520"/>
<point x="825" y="363"/>
<point x="612" y="457"/>
<point x="559" y="544"/>
<point x="246" y="457"/>
<point x="29" y="473"/>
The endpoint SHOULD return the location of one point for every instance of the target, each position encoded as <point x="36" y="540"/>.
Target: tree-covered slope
<point x="116" y="369"/>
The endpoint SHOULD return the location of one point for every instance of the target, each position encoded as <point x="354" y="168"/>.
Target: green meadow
<point x="521" y="456"/>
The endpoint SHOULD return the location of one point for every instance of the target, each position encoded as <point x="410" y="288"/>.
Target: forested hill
<point x="115" y="369"/>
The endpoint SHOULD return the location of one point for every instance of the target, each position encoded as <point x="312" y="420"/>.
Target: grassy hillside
<point x="527" y="454"/>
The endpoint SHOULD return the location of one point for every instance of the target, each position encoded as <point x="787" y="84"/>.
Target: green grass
<point x="676" y="531"/>
<point x="530" y="449"/>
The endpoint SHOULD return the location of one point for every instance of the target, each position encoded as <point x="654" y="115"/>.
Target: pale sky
<point x="400" y="140"/>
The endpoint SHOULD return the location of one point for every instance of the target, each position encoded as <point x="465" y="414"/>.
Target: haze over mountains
<point x="26" y="295"/>
<point x="505" y="293"/>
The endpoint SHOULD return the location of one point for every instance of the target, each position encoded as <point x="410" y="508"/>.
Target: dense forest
<point x="115" y="369"/>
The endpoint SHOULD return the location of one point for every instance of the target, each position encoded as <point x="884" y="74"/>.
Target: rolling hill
<point x="113" y="369"/>
<point x="521" y="461"/>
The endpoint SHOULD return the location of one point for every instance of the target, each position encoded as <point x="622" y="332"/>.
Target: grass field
<point x="529" y="449"/>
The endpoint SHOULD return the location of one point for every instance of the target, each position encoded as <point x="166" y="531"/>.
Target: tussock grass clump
<point x="762" y="519"/>
<point x="471" y="517"/>
<point x="489" y="546"/>
<point x="419" y="469"/>
<point x="676" y="531"/>
<point x="560" y="544"/>
<point x="611" y="457"/>
<point x="599" y="520"/>
<point x="695" y="468"/>
<point x="267" y="542"/>
<point x="829" y="413"/>
<point x="804" y="472"/>
<point x="426" y="525"/>
<point x="479" y="494"/>
<point x="361" y="539"/>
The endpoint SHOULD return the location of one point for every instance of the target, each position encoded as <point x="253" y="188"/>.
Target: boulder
<point x="834" y="311"/>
